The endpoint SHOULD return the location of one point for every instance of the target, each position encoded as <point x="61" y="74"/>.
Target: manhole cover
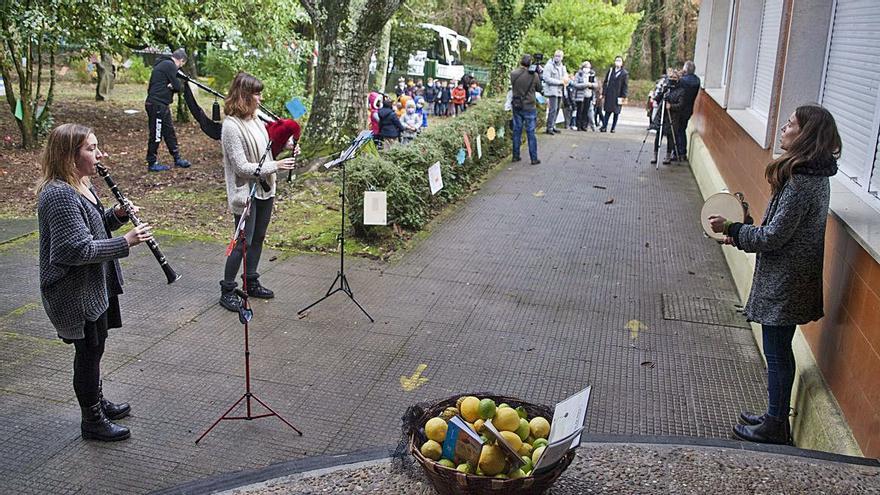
<point x="695" y="309"/>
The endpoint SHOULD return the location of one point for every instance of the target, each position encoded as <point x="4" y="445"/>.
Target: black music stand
<point x="245" y="314"/>
<point x="348" y="154"/>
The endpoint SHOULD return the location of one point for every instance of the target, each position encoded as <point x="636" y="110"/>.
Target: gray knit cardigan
<point x="74" y="279"/>
<point x="240" y="160"/>
<point x="790" y="247"/>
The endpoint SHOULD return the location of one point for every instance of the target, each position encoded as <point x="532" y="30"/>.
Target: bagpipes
<point x="280" y="130"/>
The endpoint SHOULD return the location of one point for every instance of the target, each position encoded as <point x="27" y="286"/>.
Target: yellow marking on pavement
<point x="634" y="327"/>
<point x="414" y="381"/>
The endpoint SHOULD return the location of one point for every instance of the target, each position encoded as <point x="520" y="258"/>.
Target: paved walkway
<point x="588" y="269"/>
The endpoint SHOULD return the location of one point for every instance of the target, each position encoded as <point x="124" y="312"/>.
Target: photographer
<point x="689" y="86"/>
<point x="525" y="81"/>
<point x="668" y="99"/>
<point x="554" y="75"/>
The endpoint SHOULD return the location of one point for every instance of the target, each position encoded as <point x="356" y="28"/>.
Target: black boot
<point x="111" y="410"/>
<point x="751" y="418"/>
<point x="255" y="289"/>
<point x="228" y="299"/>
<point x="96" y="426"/>
<point x="771" y="430"/>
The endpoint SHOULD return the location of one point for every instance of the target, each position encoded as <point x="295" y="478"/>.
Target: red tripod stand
<point x="245" y="314"/>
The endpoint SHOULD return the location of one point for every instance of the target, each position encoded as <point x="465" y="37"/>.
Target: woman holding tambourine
<point x="787" y="284"/>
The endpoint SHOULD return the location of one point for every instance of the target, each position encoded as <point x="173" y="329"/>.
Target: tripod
<point x="664" y="121"/>
<point x="245" y="314"/>
<point x="346" y="155"/>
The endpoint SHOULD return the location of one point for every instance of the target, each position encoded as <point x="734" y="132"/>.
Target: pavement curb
<point x="318" y="465"/>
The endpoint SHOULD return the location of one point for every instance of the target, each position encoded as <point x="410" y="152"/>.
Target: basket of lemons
<point x="523" y="426"/>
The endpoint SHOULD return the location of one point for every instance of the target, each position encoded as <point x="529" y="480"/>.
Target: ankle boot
<point x="771" y="430"/>
<point x="96" y="426"/>
<point x="111" y="410"/>
<point x="751" y="418"/>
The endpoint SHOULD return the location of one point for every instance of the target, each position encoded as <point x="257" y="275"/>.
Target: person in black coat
<point x="160" y="93"/>
<point x="690" y="88"/>
<point x="614" y="91"/>
<point x="389" y="125"/>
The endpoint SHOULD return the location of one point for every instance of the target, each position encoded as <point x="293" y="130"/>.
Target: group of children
<point x="401" y="120"/>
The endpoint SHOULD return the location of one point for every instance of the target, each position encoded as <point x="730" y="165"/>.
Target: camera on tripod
<point x="537" y="59"/>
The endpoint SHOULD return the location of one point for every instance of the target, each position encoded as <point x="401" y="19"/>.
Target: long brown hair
<point x="818" y="141"/>
<point x="240" y="101"/>
<point x="58" y="160"/>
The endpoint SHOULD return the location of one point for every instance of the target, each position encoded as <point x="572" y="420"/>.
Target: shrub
<point x="137" y="72"/>
<point x="639" y="90"/>
<point x="402" y="171"/>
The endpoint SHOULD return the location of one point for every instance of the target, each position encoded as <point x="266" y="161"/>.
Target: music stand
<point x="245" y="314"/>
<point x="347" y="154"/>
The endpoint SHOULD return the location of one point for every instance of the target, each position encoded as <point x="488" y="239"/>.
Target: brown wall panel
<point x="846" y="343"/>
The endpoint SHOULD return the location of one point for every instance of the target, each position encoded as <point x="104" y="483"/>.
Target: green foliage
<point x="639" y="90"/>
<point x="407" y="37"/>
<point x="402" y="171"/>
<point x="591" y="30"/>
<point x="81" y="70"/>
<point x="511" y="19"/>
<point x="137" y="72"/>
<point x="279" y="66"/>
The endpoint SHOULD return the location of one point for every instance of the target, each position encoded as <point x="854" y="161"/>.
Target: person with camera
<point x="525" y="81"/>
<point x="163" y="85"/>
<point x="668" y="99"/>
<point x="584" y="84"/>
<point x="688" y="87"/>
<point x="554" y="75"/>
<point x="614" y="89"/>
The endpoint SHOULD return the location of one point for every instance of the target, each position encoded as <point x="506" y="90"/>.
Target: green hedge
<point x="402" y="171"/>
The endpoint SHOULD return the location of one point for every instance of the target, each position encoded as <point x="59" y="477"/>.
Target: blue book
<point x="462" y="444"/>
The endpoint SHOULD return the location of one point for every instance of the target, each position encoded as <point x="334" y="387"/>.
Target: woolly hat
<point x="280" y="131"/>
<point x="179" y="54"/>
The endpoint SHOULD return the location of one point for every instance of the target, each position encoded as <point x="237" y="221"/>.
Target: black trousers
<point x="87" y="371"/>
<point x="255" y="233"/>
<point x="583" y="113"/>
<point x="160" y="127"/>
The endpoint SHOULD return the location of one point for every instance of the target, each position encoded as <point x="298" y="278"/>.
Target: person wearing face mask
<point x="554" y="75"/>
<point x="584" y="83"/>
<point x="411" y="121"/>
<point x="615" y="90"/>
<point x="787" y="284"/>
<point x="80" y="276"/>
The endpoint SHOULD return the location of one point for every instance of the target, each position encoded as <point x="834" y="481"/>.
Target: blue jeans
<point x="530" y="119"/>
<point x="681" y="136"/>
<point x="780" y="368"/>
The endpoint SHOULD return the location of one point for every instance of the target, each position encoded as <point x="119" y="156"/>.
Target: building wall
<point x="846" y="342"/>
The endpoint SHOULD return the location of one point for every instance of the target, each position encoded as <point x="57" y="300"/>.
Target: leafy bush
<point x="639" y="90"/>
<point x="277" y="65"/>
<point x="402" y="171"/>
<point x="81" y="69"/>
<point x="137" y="72"/>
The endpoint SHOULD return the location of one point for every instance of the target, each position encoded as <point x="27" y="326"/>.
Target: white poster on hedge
<point x="434" y="178"/>
<point x="375" y="208"/>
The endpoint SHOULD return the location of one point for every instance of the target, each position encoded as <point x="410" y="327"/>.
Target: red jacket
<point x="458" y="95"/>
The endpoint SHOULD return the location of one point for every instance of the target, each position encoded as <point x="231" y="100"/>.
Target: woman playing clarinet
<point x="80" y="278"/>
<point x="244" y="137"/>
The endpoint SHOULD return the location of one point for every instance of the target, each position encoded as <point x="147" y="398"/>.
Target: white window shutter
<point x="771" y="21"/>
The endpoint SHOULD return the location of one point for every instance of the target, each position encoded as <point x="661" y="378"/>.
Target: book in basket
<point x="565" y="430"/>
<point x="462" y="444"/>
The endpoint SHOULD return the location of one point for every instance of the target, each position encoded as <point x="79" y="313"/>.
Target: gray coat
<point x="74" y="246"/>
<point x="790" y="244"/>
<point x="582" y="85"/>
<point x="553" y="75"/>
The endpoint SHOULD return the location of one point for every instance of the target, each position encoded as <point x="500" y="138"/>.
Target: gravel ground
<point x="619" y="469"/>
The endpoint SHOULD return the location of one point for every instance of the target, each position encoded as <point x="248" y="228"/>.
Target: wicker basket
<point x="448" y="481"/>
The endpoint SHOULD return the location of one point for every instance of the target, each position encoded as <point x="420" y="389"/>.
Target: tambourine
<point x="731" y="206"/>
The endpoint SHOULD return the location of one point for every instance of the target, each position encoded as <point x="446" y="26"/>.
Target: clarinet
<point x="170" y="274"/>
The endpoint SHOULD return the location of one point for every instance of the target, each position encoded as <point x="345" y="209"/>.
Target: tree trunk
<point x="182" y="114"/>
<point x="382" y="58"/>
<point x="507" y="50"/>
<point x="348" y="34"/>
<point x="511" y="27"/>
<point x="106" y="76"/>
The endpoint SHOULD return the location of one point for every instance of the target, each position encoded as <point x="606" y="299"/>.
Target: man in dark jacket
<point x="614" y="91"/>
<point x="524" y="83"/>
<point x="160" y="93"/>
<point x="689" y="86"/>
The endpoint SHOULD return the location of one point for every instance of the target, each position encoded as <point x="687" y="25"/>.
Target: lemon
<point x="506" y="419"/>
<point x="541" y="442"/>
<point x="470" y="409"/>
<point x="528" y="463"/>
<point x="501" y="475"/>
<point x="491" y="460"/>
<point x="478" y="425"/>
<point x="432" y="450"/>
<point x="447" y="463"/>
<point x="523" y="430"/>
<point x="435" y="429"/>
<point x="525" y="450"/>
<point x="487" y="409"/>
<point x="522" y="412"/>
<point x="537" y="454"/>
<point x="540" y="427"/>
<point x="513" y="439"/>
<point x="515" y="475"/>
<point x="464" y="468"/>
<point x="449" y="413"/>
<point x="503" y="404"/>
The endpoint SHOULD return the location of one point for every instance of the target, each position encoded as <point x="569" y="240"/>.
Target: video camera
<point x="537" y="59"/>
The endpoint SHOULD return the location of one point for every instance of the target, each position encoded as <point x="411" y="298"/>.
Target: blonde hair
<point x="240" y="101"/>
<point x="58" y="160"/>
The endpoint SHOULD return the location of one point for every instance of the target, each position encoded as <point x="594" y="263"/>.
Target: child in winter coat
<point x="445" y="98"/>
<point x="412" y="123"/>
<point x="459" y="96"/>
